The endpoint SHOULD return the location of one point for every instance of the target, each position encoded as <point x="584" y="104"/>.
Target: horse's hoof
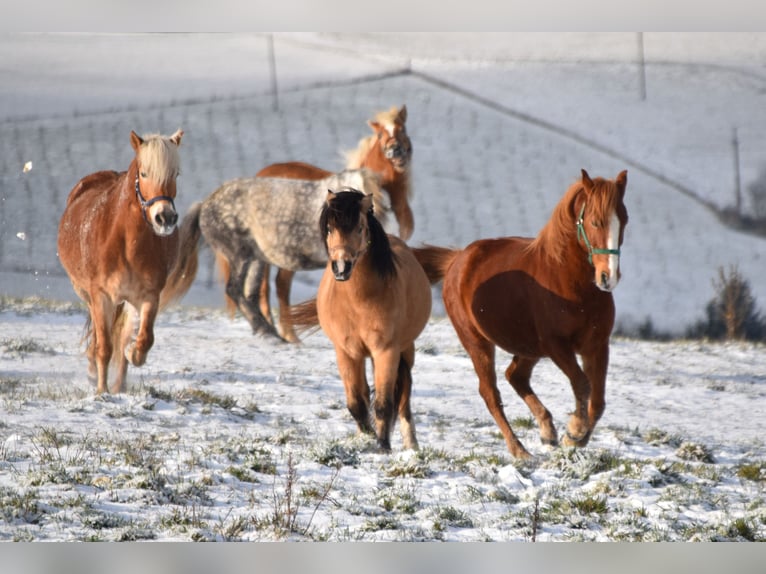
<point x="573" y="441"/>
<point x="552" y="442"/>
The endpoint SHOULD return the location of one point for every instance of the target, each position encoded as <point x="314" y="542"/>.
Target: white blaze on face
<point x="613" y="242"/>
<point x="390" y="129"/>
<point x="154" y="210"/>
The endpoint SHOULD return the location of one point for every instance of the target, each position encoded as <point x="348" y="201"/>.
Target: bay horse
<point x="550" y="296"/>
<point x="119" y="243"/>
<point x="388" y="153"/>
<point x="259" y="221"/>
<point x="373" y="300"/>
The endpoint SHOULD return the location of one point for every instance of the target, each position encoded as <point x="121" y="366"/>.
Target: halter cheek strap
<point x="146" y="204"/>
<point x="581" y="235"/>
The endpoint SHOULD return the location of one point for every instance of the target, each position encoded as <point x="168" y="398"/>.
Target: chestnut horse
<point x="374" y="299"/>
<point x="388" y="153"/>
<point x="550" y="296"/>
<point x="119" y="243"/>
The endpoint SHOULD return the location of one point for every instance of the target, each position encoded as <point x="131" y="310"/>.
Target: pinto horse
<point x="374" y="299"/>
<point x="118" y="241"/>
<point x="550" y="296"/>
<point x="388" y="153"/>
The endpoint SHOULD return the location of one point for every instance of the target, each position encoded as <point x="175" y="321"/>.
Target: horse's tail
<point x="434" y="260"/>
<point x="185" y="269"/>
<point x="303" y="316"/>
<point x="224" y="271"/>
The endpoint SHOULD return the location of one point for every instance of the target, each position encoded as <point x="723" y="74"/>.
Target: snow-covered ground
<point x="224" y="436"/>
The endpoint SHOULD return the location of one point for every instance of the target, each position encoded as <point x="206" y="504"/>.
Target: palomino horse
<point x="258" y="221"/>
<point x="545" y="297"/>
<point x="374" y="300"/>
<point x="388" y="153"/>
<point x="118" y="242"/>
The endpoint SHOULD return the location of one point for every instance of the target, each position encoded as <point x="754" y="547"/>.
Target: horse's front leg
<point x="595" y="365"/>
<point x="352" y="373"/>
<point x="386" y="367"/>
<point x="578" y="427"/>
<point x="102" y="315"/>
<point x="138" y="350"/>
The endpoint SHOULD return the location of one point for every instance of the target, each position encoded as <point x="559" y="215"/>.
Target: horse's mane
<point x="365" y="181"/>
<point x="159" y="158"/>
<point x="343" y="211"/>
<point x="557" y="233"/>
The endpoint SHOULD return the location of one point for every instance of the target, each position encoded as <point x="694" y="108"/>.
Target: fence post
<point x="641" y="67"/>
<point x="273" y="70"/>
<point x="737" y="180"/>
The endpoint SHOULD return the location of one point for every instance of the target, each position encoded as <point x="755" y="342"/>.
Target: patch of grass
<point x="381" y="523"/>
<point x="209" y="399"/>
<point x="25" y="346"/>
<point x="335" y="453"/>
<point x="657" y="437"/>
<point x="740" y="529"/>
<point x="591" y="504"/>
<point x="754" y="471"/>
<point x="414" y="468"/>
<point x="695" y="452"/>
<point x="455" y="517"/>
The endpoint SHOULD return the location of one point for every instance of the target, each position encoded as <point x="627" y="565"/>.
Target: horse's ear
<point x="587" y="182"/>
<point x="622" y="180"/>
<point x="176" y="137"/>
<point x="330" y="195"/>
<point x="367" y="204"/>
<point x="135" y="140"/>
<point x="376" y="127"/>
<point x="403" y="113"/>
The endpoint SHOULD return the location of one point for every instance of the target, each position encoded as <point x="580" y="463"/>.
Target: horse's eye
<point x="361" y="229"/>
<point x="596" y="224"/>
<point x="143" y="174"/>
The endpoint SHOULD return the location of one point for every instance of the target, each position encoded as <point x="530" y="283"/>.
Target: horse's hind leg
<point x="264" y="294"/>
<point x="284" y="283"/>
<point x="243" y="287"/>
<point x="404" y="391"/>
<point x="518" y="374"/>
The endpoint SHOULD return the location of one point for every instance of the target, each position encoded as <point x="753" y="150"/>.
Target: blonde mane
<point x="159" y="158"/>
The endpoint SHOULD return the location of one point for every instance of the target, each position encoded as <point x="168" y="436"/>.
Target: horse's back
<point x="97" y="181"/>
<point x="520" y="300"/>
<point x="294" y="170"/>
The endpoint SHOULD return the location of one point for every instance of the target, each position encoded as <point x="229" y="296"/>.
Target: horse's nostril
<point x="604" y="278"/>
<point x="173" y="219"/>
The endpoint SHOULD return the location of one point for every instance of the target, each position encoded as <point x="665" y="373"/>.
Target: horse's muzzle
<point x="164" y="219"/>
<point x="341" y="269"/>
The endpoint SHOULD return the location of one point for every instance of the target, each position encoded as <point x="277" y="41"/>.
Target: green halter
<point x="591" y="250"/>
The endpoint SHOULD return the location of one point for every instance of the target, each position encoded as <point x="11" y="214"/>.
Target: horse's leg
<point x="386" y="370"/>
<point x="401" y="208"/>
<point x="352" y="373"/>
<point x="482" y="353"/>
<point x="243" y="286"/>
<point x="595" y="366"/>
<point x="406" y="426"/>
<point x="284" y="282"/>
<point x="123" y="324"/>
<point x="102" y="313"/>
<point x="264" y="294"/>
<point x="518" y="374"/>
<point x="578" y="426"/>
<point x="137" y="351"/>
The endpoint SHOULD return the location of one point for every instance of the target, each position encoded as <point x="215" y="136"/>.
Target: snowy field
<point x="224" y="436"/>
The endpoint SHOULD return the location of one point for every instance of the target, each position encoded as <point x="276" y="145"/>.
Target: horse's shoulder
<point x="98" y="180"/>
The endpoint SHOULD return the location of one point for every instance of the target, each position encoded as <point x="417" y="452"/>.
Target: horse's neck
<point x="563" y="251"/>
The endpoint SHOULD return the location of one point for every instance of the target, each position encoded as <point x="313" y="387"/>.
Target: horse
<point x="118" y="241"/>
<point x="259" y="221"/>
<point x="548" y="296"/>
<point x="388" y="153"/>
<point x="373" y="300"/>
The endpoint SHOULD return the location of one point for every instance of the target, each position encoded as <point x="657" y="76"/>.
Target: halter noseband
<point x="591" y="250"/>
<point x="146" y="204"/>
